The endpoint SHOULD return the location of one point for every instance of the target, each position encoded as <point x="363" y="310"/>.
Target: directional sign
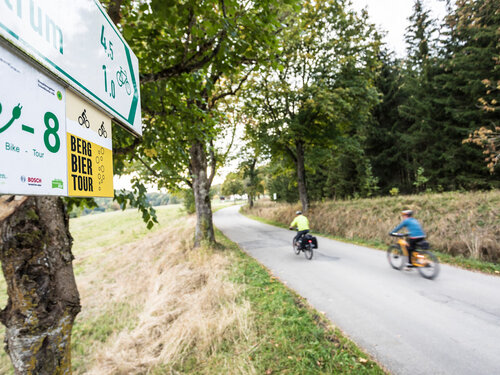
<point x="76" y="41"/>
<point x="32" y="130"/>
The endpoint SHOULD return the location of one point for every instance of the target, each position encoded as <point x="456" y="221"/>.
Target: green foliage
<point x="232" y="184"/>
<point x="79" y="204"/>
<point x="321" y="90"/>
<point x="137" y="198"/>
<point x="394" y="191"/>
<point x="193" y="57"/>
<point x="188" y="201"/>
<point x="434" y="99"/>
<point x="420" y="179"/>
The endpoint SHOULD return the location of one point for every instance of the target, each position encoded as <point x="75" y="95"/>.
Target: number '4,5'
<point x="105" y="45"/>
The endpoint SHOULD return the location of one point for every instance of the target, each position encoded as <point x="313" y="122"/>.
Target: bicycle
<point x="121" y="77"/>
<point x="83" y="120"/>
<point x="102" y="131"/>
<point x="305" y="244"/>
<point x="423" y="260"/>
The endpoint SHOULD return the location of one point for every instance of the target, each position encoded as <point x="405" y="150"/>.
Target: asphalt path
<point x="410" y="325"/>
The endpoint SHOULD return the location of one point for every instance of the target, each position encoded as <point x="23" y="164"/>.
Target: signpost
<point x="52" y="141"/>
<point x="78" y="43"/>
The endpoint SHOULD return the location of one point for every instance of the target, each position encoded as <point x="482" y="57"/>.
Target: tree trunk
<point x="35" y="251"/>
<point x="301" y="175"/>
<point x="250" y="200"/>
<point x="201" y="188"/>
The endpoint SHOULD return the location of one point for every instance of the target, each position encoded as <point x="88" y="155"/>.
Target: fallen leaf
<point x="363" y="360"/>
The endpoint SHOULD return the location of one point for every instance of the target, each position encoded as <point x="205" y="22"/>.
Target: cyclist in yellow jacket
<point x="302" y="225"/>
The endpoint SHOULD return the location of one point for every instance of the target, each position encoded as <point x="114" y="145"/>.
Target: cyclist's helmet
<point x="407" y="212"/>
<point x="298" y="213"/>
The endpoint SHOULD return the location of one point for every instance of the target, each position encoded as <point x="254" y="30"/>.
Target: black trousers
<point x="300" y="234"/>
<point x="412" y="244"/>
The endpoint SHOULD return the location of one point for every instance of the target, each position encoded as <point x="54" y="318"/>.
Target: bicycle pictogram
<point x="83" y="120"/>
<point x="121" y="77"/>
<point x="102" y="131"/>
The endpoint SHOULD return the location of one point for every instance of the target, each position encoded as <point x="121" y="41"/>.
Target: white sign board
<point x="77" y="41"/>
<point x="32" y="130"/>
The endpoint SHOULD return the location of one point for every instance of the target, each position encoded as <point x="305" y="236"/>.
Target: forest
<point x="351" y="120"/>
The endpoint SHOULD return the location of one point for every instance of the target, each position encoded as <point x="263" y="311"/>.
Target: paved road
<point x="411" y="325"/>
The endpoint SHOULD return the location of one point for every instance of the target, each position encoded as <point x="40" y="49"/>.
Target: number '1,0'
<point x="112" y="84"/>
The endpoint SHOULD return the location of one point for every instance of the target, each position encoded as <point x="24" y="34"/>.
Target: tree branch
<point x="231" y="92"/>
<point x="148" y="167"/>
<point x="114" y="13"/>
<point x="187" y="66"/>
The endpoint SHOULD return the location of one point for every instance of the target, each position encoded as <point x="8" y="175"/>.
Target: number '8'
<point x="51" y="130"/>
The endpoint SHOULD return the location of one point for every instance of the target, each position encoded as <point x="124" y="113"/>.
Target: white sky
<point x="392" y="16"/>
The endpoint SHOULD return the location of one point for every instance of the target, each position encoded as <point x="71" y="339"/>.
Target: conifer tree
<point x="469" y="89"/>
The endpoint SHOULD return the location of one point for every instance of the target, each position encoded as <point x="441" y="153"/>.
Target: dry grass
<point x="179" y="302"/>
<point x="465" y="224"/>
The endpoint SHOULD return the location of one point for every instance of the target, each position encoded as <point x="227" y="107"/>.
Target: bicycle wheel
<point x="395" y="257"/>
<point x="296" y="248"/>
<point x="429" y="265"/>
<point x="308" y="251"/>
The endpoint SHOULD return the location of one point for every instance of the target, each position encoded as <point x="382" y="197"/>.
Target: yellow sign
<point x="90" y="169"/>
<point x="90" y="159"/>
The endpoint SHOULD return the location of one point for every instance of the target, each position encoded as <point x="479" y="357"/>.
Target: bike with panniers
<point x="303" y="241"/>
<point x="306" y="244"/>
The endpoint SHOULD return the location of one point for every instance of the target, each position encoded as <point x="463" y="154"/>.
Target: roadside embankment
<point x="458" y="224"/>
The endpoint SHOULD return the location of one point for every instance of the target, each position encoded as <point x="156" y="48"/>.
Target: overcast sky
<point x="392" y="16"/>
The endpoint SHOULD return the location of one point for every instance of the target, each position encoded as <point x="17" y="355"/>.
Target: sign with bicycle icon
<point x="84" y="121"/>
<point x="56" y="34"/>
<point x="90" y="157"/>
<point x="55" y="122"/>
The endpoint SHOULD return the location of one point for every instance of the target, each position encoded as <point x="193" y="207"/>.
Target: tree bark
<point x="201" y="188"/>
<point x="301" y="174"/>
<point x="35" y="251"/>
<point x="250" y="200"/>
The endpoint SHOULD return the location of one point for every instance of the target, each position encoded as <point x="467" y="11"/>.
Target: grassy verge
<point x="293" y="337"/>
<point x="458" y="261"/>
